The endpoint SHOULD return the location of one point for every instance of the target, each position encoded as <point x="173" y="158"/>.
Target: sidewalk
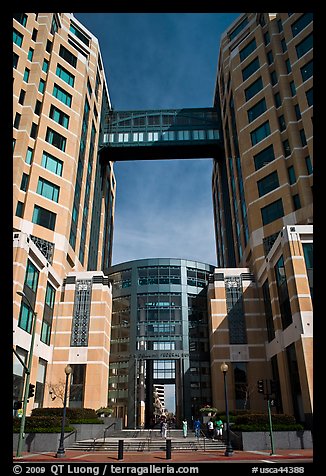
<point x="159" y="457"/>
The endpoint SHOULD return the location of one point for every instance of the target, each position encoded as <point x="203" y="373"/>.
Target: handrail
<point x="105" y="430"/>
<point x="69" y="434"/>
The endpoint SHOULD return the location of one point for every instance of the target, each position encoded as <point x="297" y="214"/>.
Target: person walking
<point x="185" y="428"/>
<point x="218" y="428"/>
<point x="210" y="429"/>
<point x="164" y="430"/>
<point x="197" y="425"/>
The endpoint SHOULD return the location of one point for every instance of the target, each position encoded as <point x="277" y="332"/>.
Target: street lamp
<point x="229" y="449"/>
<point x="61" y="451"/>
<point x="28" y="375"/>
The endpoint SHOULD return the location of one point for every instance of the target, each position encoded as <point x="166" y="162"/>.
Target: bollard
<point x="168" y="449"/>
<point x="120" y="449"/>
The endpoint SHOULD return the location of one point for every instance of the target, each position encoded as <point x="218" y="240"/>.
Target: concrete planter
<point x="260" y="440"/>
<point x="38" y="442"/>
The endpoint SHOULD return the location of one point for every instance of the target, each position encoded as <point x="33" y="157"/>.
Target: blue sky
<point x="160" y="61"/>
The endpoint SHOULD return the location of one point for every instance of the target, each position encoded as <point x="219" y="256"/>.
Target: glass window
<point x="291" y="174"/>
<point x="45" y="66"/>
<point x="79" y="34"/>
<point x="245" y="52"/>
<point x="17" y="37"/>
<point x="15" y="60"/>
<point x="253" y="89"/>
<point x="305" y="45"/>
<point x="268" y="183"/>
<point x="34" y="34"/>
<point x="286" y="148"/>
<point x="24" y="182"/>
<point x="303" y="138"/>
<point x="260" y="133"/>
<point x="59" y="116"/>
<point x="65" y="75"/>
<point x="20" y="209"/>
<point x="50" y="295"/>
<point x="273" y="78"/>
<point x="288" y="66"/>
<point x="279" y="25"/>
<point x="38" y="106"/>
<point x="41" y="86"/>
<point x="30" y="54"/>
<point x="283" y="45"/>
<point x="278" y="100"/>
<point x="308" y="164"/>
<point x="31" y="277"/>
<point x="238" y="28"/>
<point x="56" y="139"/>
<point x="307" y="71"/>
<point x="270" y="58"/>
<point x="301" y="23"/>
<point x="29" y="156"/>
<point x="297" y="112"/>
<point x="48" y="189"/>
<point x="44" y="217"/>
<point x="25" y="317"/>
<point x="257" y="110"/>
<point x="266" y="38"/>
<point x="250" y="69"/>
<point x="34" y="128"/>
<point x="282" y="123"/>
<point x="310" y="97"/>
<point x="296" y="202"/>
<point x="68" y="56"/>
<point x="264" y="157"/>
<point x="272" y="212"/>
<point x="52" y="163"/>
<point x="62" y="95"/>
<point x="21" y="18"/>
<point x="17" y="120"/>
<point x="26" y="75"/>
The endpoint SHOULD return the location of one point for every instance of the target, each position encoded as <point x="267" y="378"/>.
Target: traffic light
<point x="260" y="386"/>
<point x="31" y="390"/>
<point x="17" y="405"/>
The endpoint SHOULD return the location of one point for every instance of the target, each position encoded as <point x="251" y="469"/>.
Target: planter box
<point x="39" y="442"/>
<point x="261" y="440"/>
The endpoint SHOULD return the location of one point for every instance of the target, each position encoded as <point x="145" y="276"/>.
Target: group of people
<point x="214" y="428"/>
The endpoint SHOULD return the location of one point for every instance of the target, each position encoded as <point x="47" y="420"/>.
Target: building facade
<point x="264" y="90"/>
<point x="131" y="328"/>
<point x="63" y="199"/>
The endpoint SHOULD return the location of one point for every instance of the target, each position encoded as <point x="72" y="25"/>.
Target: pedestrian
<point x="210" y="429"/>
<point x="197" y="425"/>
<point x="218" y="428"/>
<point x="184" y="428"/>
<point x="164" y="429"/>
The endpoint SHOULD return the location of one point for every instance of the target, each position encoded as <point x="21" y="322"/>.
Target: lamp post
<point x="28" y="375"/>
<point x="61" y="451"/>
<point x="229" y="449"/>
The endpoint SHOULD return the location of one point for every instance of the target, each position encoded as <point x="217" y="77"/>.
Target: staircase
<point x="148" y="441"/>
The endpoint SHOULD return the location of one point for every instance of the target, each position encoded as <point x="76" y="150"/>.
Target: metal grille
<point x="80" y="323"/>
<point x="234" y="305"/>
<point x="46" y="247"/>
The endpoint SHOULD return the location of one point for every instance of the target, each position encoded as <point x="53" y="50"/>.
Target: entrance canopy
<point x="162" y="134"/>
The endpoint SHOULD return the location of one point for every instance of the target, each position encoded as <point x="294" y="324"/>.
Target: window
<point x="250" y="69"/>
<point x="264" y="157"/>
<point x="34" y="34"/>
<point x="268" y="183"/>
<point x="286" y="148"/>
<point x="273" y="78"/>
<point x="305" y="45"/>
<point x="48" y="189"/>
<point x="297" y="112"/>
<point x="79" y="34"/>
<point x="26" y="75"/>
<point x="22" y="96"/>
<point x="56" y="139"/>
<point x="291" y="175"/>
<point x="44" y="217"/>
<point x="41" y="86"/>
<point x="301" y="23"/>
<point x="282" y="123"/>
<point x="21" y="18"/>
<point x="25" y="317"/>
<point x="20" y="209"/>
<point x="17" y="120"/>
<point x="30" y="54"/>
<point x="253" y="89"/>
<point x="283" y="294"/>
<point x="245" y="52"/>
<point x="24" y="182"/>
<point x="31" y="277"/>
<point x="272" y="212"/>
<point x="15" y="60"/>
<point x="59" y="116"/>
<point x="278" y="100"/>
<point x="66" y="55"/>
<point x="238" y="28"/>
<point x="288" y="66"/>
<point x="307" y="71"/>
<point x="34" y="128"/>
<point x="293" y="88"/>
<point x="62" y="95"/>
<point x="52" y="164"/>
<point x="303" y="138"/>
<point x="17" y="37"/>
<point x="279" y="25"/>
<point x="48" y="46"/>
<point x="270" y="58"/>
<point x="296" y="202"/>
<point x="260" y="133"/>
<point x="257" y="110"/>
<point x="283" y="45"/>
<point x="38" y="106"/>
<point x="48" y="314"/>
<point x="266" y="38"/>
<point x="308" y="164"/>
<point x="310" y="97"/>
<point x="29" y="156"/>
<point x="45" y="66"/>
<point x="65" y="75"/>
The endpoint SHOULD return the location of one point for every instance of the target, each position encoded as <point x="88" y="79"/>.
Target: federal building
<point x="130" y="329"/>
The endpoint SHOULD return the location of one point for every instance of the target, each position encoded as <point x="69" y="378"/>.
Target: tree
<point x="57" y="390"/>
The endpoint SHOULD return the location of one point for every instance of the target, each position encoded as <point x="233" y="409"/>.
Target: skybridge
<point x="161" y="134"/>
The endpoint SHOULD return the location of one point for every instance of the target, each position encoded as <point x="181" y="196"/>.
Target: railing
<point x="105" y="430"/>
<point x="69" y="434"/>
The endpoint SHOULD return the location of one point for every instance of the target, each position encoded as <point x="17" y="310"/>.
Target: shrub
<point x="106" y="411"/>
<point x="41" y="424"/>
<point x="73" y="414"/>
